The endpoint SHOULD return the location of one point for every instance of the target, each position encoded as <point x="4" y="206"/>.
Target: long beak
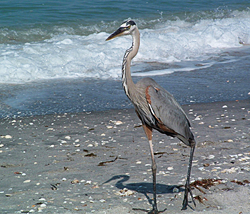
<point x="116" y="33"/>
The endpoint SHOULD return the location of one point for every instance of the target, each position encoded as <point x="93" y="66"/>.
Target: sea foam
<point x="181" y="43"/>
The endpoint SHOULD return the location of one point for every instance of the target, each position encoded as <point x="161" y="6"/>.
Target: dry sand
<point x="99" y="162"/>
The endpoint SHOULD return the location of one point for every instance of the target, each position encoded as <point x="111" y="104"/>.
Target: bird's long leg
<point x="187" y="186"/>
<point x="148" y="131"/>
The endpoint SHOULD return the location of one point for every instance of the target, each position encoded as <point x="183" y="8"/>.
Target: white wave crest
<point x="72" y="56"/>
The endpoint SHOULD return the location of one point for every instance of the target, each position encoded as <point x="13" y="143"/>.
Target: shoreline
<point x="72" y="163"/>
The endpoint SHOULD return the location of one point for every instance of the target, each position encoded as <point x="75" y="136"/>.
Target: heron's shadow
<point x="143" y="187"/>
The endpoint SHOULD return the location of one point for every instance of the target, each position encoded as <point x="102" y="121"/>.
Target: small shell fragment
<point x="88" y="182"/>
<point x="232" y="170"/>
<point x="7" y="136"/>
<point x="125" y="192"/>
<point x="118" y="123"/>
<point x="75" y="181"/>
<point x="170" y="168"/>
<point x="67" y="137"/>
<point x="211" y="157"/>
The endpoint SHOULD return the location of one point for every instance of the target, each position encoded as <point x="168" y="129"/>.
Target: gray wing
<point x="168" y="113"/>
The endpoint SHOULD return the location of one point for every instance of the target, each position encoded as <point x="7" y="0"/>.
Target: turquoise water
<point x="49" y="41"/>
<point x="27" y="13"/>
<point x="59" y="39"/>
<point x="49" y="17"/>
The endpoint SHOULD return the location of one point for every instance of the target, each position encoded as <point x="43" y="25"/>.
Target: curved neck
<point x="127" y="81"/>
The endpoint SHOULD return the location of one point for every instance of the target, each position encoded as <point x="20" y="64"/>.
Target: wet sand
<point x="99" y="162"/>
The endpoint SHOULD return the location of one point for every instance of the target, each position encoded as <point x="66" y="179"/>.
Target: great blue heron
<point x="156" y="108"/>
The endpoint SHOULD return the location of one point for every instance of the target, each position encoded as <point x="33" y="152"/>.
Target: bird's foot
<point x="185" y="200"/>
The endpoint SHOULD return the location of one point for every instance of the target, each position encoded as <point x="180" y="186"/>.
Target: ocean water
<point x="54" y="57"/>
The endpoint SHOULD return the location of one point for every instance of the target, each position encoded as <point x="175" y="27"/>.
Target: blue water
<point x="27" y="13"/>
<point x="44" y="44"/>
<point x="97" y="15"/>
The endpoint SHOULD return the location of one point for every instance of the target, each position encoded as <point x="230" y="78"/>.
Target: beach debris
<point x="17" y="173"/>
<point x="118" y="122"/>
<point x="54" y="186"/>
<point x="243" y="183"/>
<point x="67" y="137"/>
<point x="27" y="181"/>
<point x="6" y="136"/>
<point x="1" y="145"/>
<point x="206" y="183"/>
<point x="138" y="126"/>
<point x="226" y="127"/>
<point x="42" y="206"/>
<point x="160" y="154"/>
<point x="211" y="157"/>
<point x="7" y="165"/>
<point x="75" y="181"/>
<point x="228" y="141"/>
<point x="109" y="161"/>
<point x="95" y="187"/>
<point x="90" y="155"/>
<point x="125" y="192"/>
<point x="231" y="170"/>
<point x="88" y="182"/>
<point x="198" y="117"/>
<point x="200" y="199"/>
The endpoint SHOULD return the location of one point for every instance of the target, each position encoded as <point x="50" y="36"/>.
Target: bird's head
<point x="126" y="28"/>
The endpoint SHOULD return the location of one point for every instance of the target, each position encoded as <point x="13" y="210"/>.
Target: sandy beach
<point x="99" y="162"/>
